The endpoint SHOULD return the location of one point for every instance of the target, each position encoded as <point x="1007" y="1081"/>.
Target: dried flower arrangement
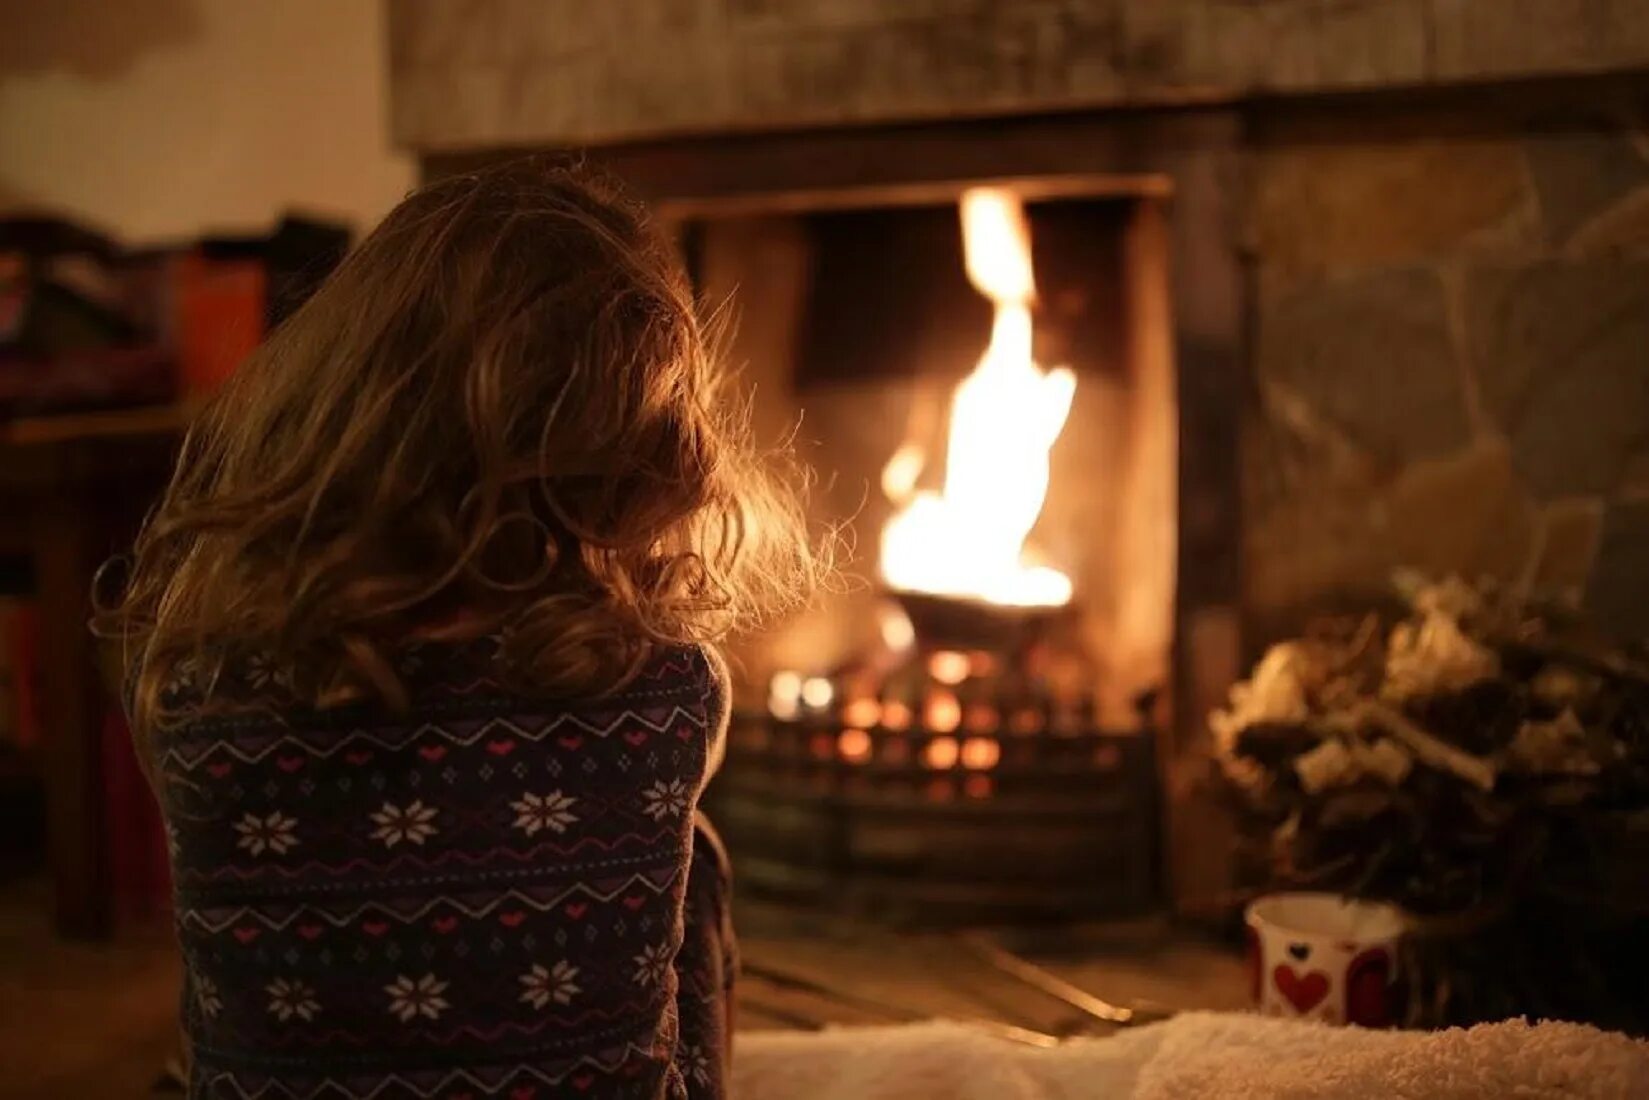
<point x="1481" y="761"/>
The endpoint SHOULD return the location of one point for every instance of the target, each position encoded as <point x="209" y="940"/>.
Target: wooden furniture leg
<point x="72" y="709"/>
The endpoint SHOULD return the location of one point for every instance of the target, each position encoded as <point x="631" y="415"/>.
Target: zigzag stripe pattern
<point x="229" y="1084"/>
<point x="558" y="852"/>
<point x="579" y="1021"/>
<point x="215" y="921"/>
<point x="655" y="721"/>
<point x="485" y="896"/>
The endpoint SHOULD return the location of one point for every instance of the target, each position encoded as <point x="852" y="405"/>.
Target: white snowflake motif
<point x="409" y="999"/>
<point x="698" y="1065"/>
<point x="411" y="823"/>
<point x="557" y="984"/>
<point x="665" y="799"/>
<point x="206" y="997"/>
<point x="273" y="833"/>
<point x="551" y="811"/>
<point x="261" y="672"/>
<point x="652" y="965"/>
<point x="289" y="999"/>
<point x="185" y="677"/>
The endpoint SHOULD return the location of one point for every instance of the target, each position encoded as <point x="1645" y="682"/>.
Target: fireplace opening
<point x="981" y="374"/>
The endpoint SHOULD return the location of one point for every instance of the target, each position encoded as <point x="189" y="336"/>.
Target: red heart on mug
<point x="1304" y="993"/>
<point x="1369" y="999"/>
<point x="432" y="753"/>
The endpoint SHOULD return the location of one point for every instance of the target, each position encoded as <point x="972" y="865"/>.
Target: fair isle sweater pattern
<point x="483" y="897"/>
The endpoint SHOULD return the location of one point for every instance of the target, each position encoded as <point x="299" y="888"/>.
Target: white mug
<point x="1324" y="957"/>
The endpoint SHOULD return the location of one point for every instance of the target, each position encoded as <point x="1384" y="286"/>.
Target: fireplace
<point x="1047" y="777"/>
<point x="1342" y="288"/>
<point x="970" y="733"/>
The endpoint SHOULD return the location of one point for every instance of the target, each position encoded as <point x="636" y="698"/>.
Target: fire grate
<point x="955" y="789"/>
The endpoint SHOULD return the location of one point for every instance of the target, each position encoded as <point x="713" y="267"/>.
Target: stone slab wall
<point x="1451" y="360"/>
<point x="477" y="73"/>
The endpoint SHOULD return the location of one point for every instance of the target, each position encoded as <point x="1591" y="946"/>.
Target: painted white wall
<point x="158" y="119"/>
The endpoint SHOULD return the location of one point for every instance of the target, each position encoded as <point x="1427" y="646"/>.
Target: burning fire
<point x="968" y="541"/>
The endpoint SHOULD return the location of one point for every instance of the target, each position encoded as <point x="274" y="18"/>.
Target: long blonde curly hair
<point x="500" y="416"/>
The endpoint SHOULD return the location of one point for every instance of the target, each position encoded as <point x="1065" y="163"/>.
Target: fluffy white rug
<point x="1194" y="1056"/>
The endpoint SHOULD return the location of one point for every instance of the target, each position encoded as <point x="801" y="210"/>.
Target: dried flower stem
<point x="1475" y="770"/>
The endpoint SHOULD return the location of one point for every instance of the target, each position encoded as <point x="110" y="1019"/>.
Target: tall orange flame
<point x="968" y="541"/>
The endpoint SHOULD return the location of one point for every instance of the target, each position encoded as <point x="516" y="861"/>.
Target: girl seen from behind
<point x="419" y="651"/>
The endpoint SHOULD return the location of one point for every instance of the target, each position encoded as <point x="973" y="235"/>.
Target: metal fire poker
<point x="1053" y="985"/>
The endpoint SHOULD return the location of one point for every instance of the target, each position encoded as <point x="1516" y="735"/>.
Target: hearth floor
<point x="883" y="976"/>
<point x="95" y="1021"/>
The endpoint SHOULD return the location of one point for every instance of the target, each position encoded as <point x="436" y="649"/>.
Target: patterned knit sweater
<point x="484" y="897"/>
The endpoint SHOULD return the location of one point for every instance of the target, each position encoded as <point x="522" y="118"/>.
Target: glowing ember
<point x="941" y="753"/>
<point x="854" y="745"/>
<point x="948" y="666"/>
<point x="784" y="694"/>
<point x="897" y="632"/>
<point x="896" y="715"/>
<point x="943" y="713"/>
<point x="980" y="753"/>
<point x="968" y="541"/>
<point x="862" y="712"/>
<point x="817" y="692"/>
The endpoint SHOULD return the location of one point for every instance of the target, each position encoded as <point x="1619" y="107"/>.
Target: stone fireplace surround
<point x="1408" y="249"/>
